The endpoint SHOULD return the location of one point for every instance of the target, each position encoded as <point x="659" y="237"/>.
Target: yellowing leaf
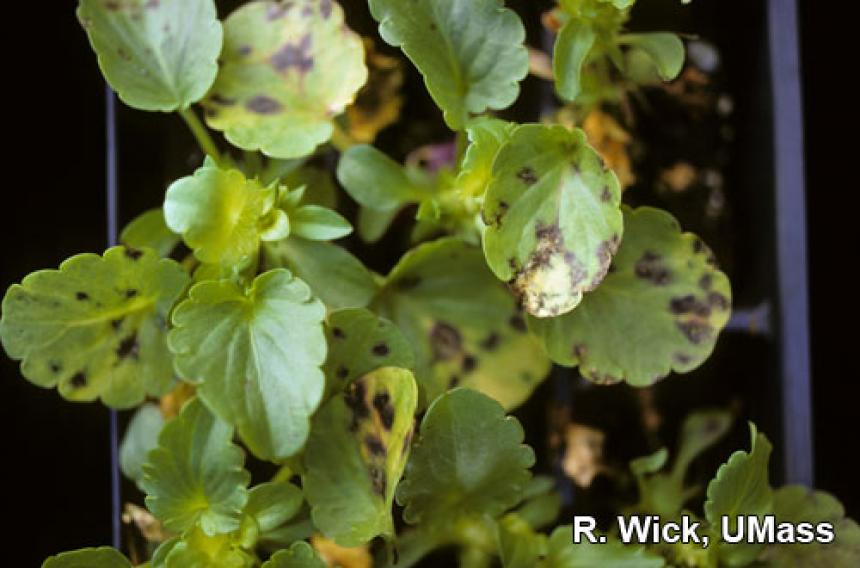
<point x="612" y="142"/>
<point x="379" y="102"/>
<point x="287" y="69"/>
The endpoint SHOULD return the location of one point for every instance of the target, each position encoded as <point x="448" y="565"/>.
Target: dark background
<point x="55" y="459"/>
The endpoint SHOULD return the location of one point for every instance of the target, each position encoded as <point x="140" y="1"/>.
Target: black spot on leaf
<point x="689" y="304"/>
<point x="383" y="406"/>
<point x="695" y="331"/>
<point x="131" y="293"/>
<point x="128" y="347"/>
<point x="294" y="56"/>
<point x="490" y="342"/>
<point x="381" y="350"/>
<point x="79" y="380"/>
<point x="342" y="372"/>
<point x="374" y="445"/>
<point x="453" y="382"/>
<point x="377" y="479"/>
<point x="133" y="253"/>
<point x="718" y="301"/>
<point x="469" y="363"/>
<point x="82" y="296"/>
<point x="445" y="340"/>
<point x="527" y="175"/>
<point x="650" y="267"/>
<point x="518" y="323"/>
<point x="338" y="333"/>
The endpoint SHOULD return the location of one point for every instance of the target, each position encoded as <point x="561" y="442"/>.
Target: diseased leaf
<point x="552" y="216"/>
<point x="741" y="487"/>
<point x="195" y="475"/>
<point x="148" y="230"/>
<point x="287" y="69"/>
<point x="572" y="46"/>
<point x="356" y="453"/>
<point x="140" y="437"/>
<point x="562" y="553"/>
<point x="95" y="328"/>
<point x="157" y="55"/>
<point x="360" y="342"/>
<point x="223" y="216"/>
<point x="462" y="323"/>
<point x="299" y="555"/>
<point x="466" y="68"/>
<point x="660" y="308"/>
<point x="665" y="49"/>
<point x="257" y="355"/>
<point x="336" y="277"/>
<point x="469" y="460"/>
<point x="486" y="137"/>
<point x="378" y="103"/>
<point x="797" y="504"/>
<point x="374" y="180"/>
<point x="103" y="557"/>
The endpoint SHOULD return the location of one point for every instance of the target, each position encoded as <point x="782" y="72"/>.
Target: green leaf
<point x="222" y="216"/>
<point x="660" y="308"/>
<point x="103" y="557"/>
<point x="299" y="555"/>
<point x="195" y="475"/>
<point x="700" y="431"/>
<point x="95" y="328"/>
<point x="470" y="52"/>
<point x="373" y="224"/>
<point x="486" y="137"/>
<point x="140" y="437"/>
<point x="572" y="46"/>
<point x="356" y="453"/>
<point x="159" y="55"/>
<point x="649" y="464"/>
<point x="469" y="460"/>
<point x="374" y="180"/>
<point x="741" y="487"/>
<point x="336" y="277"/>
<point x="148" y="230"/>
<point x="519" y="545"/>
<point x="287" y="69"/>
<point x="612" y="554"/>
<point x="552" y="216"/>
<point x="796" y="504"/>
<point x="317" y="223"/>
<point x="665" y="49"/>
<point x="621" y="4"/>
<point x="360" y="342"/>
<point x="462" y="323"/>
<point x="257" y="354"/>
<point x="272" y="504"/>
<point x="196" y="549"/>
<point x="320" y="188"/>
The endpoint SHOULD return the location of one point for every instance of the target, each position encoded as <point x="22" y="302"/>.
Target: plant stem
<point x="200" y="134"/>
<point x="461" y="145"/>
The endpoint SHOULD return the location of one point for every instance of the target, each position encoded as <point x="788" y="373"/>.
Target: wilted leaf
<point x="356" y="453"/>
<point x="257" y="354"/>
<point x="223" y="216"/>
<point x="462" y="323"/>
<point x="95" y="327"/>
<point x="660" y="308"/>
<point x="158" y="55"/>
<point x="552" y="216"/>
<point x="360" y="342"/>
<point x="194" y="477"/>
<point x="287" y="69"/>
<point x="469" y="460"/>
<point x="466" y="69"/>
<point x="145" y="522"/>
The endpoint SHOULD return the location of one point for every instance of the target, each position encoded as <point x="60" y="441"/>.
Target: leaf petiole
<point x="204" y="140"/>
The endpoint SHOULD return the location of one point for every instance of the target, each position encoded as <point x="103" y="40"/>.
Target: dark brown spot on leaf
<point x="490" y="342"/>
<point x="381" y="350"/>
<point x="377" y="479"/>
<point x="261" y="104"/>
<point x="651" y="268"/>
<point x="342" y="372"/>
<point x="518" y="323"/>
<point x="131" y="293"/>
<point x="469" y="363"/>
<point x="527" y="175"/>
<point x="682" y="358"/>
<point x="82" y="296"/>
<point x="689" y="304"/>
<point x="222" y="100"/>
<point x="382" y="405"/>
<point x="128" y="347"/>
<point x="606" y="194"/>
<point x="294" y="56"/>
<point x="55" y="367"/>
<point x="580" y="351"/>
<point x="705" y="282"/>
<point x="276" y="11"/>
<point x="79" y="380"/>
<point x="407" y="282"/>
<point x="116" y="323"/>
<point x="374" y="445"/>
<point x="718" y="301"/>
<point x="695" y="331"/>
<point x="453" y="382"/>
<point x="445" y="341"/>
<point x="133" y="253"/>
<point x="338" y="333"/>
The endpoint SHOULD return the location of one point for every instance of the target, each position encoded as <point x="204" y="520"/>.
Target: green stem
<point x="200" y="134"/>
<point x="462" y="144"/>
